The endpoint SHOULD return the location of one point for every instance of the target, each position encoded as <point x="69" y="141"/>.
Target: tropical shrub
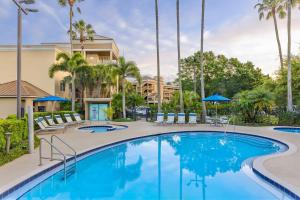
<point x="253" y="103"/>
<point x="18" y="128"/>
<point x="268" y="120"/>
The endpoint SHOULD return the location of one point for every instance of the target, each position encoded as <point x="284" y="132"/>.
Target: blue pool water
<point x="101" y="129"/>
<point x="174" y="166"/>
<point x="288" y="129"/>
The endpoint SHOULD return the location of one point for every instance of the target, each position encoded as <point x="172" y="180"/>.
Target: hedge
<point x="18" y="128"/>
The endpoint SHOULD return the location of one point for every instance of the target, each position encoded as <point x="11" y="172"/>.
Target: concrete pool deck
<point x="283" y="168"/>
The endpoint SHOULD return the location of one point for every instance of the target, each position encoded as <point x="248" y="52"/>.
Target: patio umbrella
<point x="52" y="99"/>
<point x="216" y="98"/>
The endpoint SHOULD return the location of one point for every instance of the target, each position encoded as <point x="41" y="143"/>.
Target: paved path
<point x="283" y="168"/>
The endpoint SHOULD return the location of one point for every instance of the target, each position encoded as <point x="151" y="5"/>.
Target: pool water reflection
<point x="174" y="166"/>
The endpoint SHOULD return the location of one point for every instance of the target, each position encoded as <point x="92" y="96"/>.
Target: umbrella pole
<point x="53" y="103"/>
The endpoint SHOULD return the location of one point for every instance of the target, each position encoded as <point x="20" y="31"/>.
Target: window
<point x="62" y="87"/>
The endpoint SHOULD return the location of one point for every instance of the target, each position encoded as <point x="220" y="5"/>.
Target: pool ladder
<point x="65" y="157"/>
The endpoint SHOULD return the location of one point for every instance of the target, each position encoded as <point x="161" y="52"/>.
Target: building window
<point x="62" y="86"/>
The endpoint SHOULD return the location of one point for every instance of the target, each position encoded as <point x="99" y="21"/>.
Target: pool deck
<point x="283" y="168"/>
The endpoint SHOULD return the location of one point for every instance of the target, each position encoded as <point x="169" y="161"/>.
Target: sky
<point x="232" y="28"/>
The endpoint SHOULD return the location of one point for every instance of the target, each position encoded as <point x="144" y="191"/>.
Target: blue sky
<point x="232" y="28"/>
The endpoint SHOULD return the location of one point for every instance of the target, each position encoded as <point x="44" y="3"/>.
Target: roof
<point x="9" y="89"/>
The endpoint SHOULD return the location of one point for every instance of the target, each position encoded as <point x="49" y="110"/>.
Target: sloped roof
<point x="101" y="37"/>
<point x="9" y="89"/>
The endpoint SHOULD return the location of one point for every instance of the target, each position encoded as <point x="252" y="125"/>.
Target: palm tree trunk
<point x="123" y="98"/>
<point x="277" y="37"/>
<point x="82" y="47"/>
<point x="73" y="92"/>
<point x="178" y="58"/>
<point x="71" y="28"/>
<point x="201" y="62"/>
<point x="289" y="74"/>
<point x="157" y="58"/>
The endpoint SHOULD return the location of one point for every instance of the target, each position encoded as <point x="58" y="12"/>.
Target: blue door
<point x="97" y="112"/>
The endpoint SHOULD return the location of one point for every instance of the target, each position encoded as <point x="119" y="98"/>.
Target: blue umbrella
<point x="216" y="98"/>
<point x="53" y="99"/>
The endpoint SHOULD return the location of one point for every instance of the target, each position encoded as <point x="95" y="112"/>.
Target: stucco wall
<point x="7" y="107"/>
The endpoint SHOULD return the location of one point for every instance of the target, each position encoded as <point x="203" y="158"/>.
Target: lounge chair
<point x="181" y="118"/>
<point x="48" y="128"/>
<point x="46" y="125"/>
<point x="209" y="120"/>
<point x="224" y="120"/>
<point x="171" y="118"/>
<point x="192" y="118"/>
<point x="51" y="121"/>
<point x="160" y="118"/>
<point x="70" y="120"/>
<point x="60" y="120"/>
<point x="78" y="118"/>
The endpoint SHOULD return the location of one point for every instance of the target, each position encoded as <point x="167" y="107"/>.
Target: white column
<point x="30" y="129"/>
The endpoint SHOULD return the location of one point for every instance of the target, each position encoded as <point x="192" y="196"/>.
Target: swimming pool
<point x="210" y="165"/>
<point x="102" y="128"/>
<point x="288" y="129"/>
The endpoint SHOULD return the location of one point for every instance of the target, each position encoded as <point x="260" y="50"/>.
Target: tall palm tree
<point x="178" y="58"/>
<point x="289" y="73"/>
<point x="268" y="9"/>
<point x="201" y="62"/>
<point x="84" y="32"/>
<point x="126" y="69"/>
<point x="70" y="64"/>
<point x="157" y="58"/>
<point x="71" y="4"/>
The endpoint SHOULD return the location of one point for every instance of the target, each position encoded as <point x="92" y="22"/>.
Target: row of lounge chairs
<point x="50" y="125"/>
<point x="223" y="120"/>
<point x="180" y="118"/>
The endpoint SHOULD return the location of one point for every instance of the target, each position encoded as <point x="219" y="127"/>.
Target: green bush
<point x="18" y="128"/>
<point x="287" y="118"/>
<point x="268" y="120"/>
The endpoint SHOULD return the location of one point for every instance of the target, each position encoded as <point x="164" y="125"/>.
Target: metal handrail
<point x="52" y="146"/>
<point x="74" y="151"/>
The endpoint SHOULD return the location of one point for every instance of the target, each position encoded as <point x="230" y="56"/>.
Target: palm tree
<point x="268" y="9"/>
<point x="179" y="65"/>
<point x="126" y="69"/>
<point x="289" y="73"/>
<point x="201" y="62"/>
<point x="157" y="58"/>
<point x="70" y="64"/>
<point x="84" y="32"/>
<point x="71" y="4"/>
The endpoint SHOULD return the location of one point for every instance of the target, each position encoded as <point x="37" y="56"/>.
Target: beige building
<point x="37" y="59"/>
<point x="149" y="90"/>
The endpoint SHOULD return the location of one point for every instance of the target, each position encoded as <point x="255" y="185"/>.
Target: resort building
<point x="37" y="59"/>
<point x="149" y="89"/>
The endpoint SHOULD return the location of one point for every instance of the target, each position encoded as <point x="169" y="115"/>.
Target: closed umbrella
<point x="52" y="99"/>
<point x="216" y="98"/>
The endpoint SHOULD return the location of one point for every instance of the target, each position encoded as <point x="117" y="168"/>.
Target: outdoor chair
<point x="60" y="120"/>
<point x="209" y="120"/>
<point x="224" y="120"/>
<point x="48" y="128"/>
<point x="170" y="118"/>
<point x="192" y="118"/>
<point x="181" y="118"/>
<point x="160" y="118"/>
<point x="70" y="120"/>
<point x="78" y="118"/>
<point x="46" y="125"/>
<point x="51" y="121"/>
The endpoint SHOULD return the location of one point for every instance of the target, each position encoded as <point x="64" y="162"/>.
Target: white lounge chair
<point x="224" y="120"/>
<point x="181" y="118"/>
<point x="209" y="120"/>
<point x="170" y="118"/>
<point x="192" y="118"/>
<point x="160" y="118"/>
<point x="69" y="119"/>
<point x="48" y="128"/>
<point x="46" y="125"/>
<point x="60" y="120"/>
<point x="51" y="121"/>
<point x="78" y="118"/>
